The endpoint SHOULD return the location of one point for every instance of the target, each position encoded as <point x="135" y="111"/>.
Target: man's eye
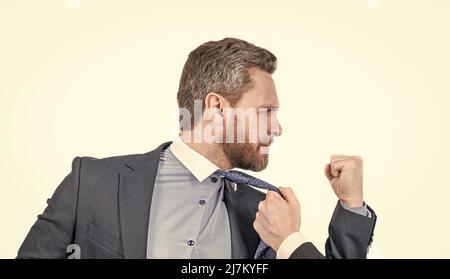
<point x="269" y="109"/>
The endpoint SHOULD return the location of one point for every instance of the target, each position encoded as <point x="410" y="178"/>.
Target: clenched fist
<point x="345" y="174"/>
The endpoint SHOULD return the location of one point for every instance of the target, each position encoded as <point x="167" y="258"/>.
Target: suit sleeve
<point x="53" y="231"/>
<point x="349" y="236"/>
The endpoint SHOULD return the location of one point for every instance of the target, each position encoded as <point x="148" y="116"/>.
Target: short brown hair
<point x="221" y="67"/>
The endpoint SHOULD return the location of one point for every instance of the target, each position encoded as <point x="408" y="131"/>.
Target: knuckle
<point x="255" y="225"/>
<point x="260" y="205"/>
<point x="271" y="196"/>
<point x="357" y="159"/>
<point x="355" y="162"/>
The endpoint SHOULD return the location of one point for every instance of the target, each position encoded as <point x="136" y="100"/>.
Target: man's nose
<point x="277" y="130"/>
<point x="280" y="130"/>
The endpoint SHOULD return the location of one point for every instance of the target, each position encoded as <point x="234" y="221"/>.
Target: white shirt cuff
<point x="290" y="244"/>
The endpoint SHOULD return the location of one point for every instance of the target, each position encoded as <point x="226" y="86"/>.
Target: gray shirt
<point x="188" y="218"/>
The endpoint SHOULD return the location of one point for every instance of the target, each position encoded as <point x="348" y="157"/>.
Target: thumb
<point x="288" y="195"/>
<point x="327" y="172"/>
<point x="331" y="178"/>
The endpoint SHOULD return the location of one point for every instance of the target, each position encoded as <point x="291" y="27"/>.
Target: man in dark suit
<point x="181" y="200"/>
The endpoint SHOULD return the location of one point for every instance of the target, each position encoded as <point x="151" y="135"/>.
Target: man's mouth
<point x="264" y="148"/>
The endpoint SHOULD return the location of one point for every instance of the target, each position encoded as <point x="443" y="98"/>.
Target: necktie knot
<point x="243" y="178"/>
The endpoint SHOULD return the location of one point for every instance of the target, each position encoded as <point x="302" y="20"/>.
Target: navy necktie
<point x="243" y="178"/>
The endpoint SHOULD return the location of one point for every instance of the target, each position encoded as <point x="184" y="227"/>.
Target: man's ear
<point x="214" y="104"/>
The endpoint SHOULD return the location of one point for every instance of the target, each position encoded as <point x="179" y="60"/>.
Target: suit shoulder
<point x="118" y="162"/>
<point x="95" y="173"/>
<point x="107" y="164"/>
<point x="91" y="167"/>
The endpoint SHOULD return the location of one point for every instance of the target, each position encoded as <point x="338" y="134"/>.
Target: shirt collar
<point x="200" y="167"/>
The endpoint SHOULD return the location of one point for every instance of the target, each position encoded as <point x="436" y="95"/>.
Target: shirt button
<point x="191" y="242"/>
<point x="202" y="202"/>
<point x="213" y="179"/>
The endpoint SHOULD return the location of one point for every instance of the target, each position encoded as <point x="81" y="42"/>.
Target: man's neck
<point x="212" y="151"/>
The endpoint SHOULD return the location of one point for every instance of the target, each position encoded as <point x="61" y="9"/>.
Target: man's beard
<point x="246" y="156"/>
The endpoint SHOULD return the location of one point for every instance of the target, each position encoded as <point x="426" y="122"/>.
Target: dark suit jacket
<point x="104" y="205"/>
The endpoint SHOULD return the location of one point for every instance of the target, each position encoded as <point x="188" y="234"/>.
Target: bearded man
<point x="183" y="199"/>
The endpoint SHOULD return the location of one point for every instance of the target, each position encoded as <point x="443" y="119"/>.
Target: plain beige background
<point x="358" y="77"/>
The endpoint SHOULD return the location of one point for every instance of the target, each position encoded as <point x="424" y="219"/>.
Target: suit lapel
<point x="135" y="196"/>
<point x="244" y="240"/>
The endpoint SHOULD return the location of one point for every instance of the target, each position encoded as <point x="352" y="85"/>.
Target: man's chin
<point x="248" y="157"/>
<point x="261" y="164"/>
<point x="259" y="168"/>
